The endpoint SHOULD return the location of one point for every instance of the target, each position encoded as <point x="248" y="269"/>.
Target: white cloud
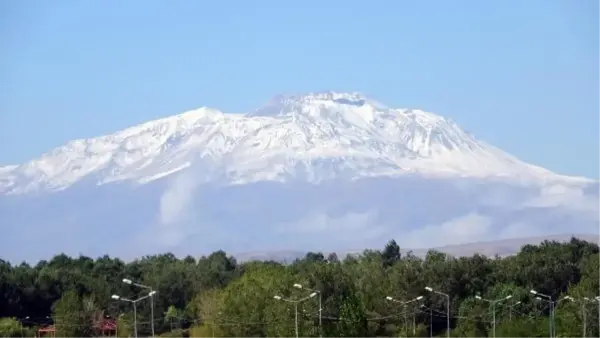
<point x="348" y="229"/>
<point x="560" y="195"/>
<point x="367" y="229"/>
<point x="176" y="199"/>
<point x="472" y="227"/>
<point x="177" y="221"/>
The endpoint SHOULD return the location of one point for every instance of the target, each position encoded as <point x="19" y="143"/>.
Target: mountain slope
<point x="309" y="137"/>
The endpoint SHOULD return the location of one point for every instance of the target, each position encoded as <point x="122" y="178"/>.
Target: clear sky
<point x="521" y="75"/>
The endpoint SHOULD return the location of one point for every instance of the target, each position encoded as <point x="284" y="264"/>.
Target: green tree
<point x="67" y="316"/>
<point x="353" y="319"/>
<point x="11" y="327"/>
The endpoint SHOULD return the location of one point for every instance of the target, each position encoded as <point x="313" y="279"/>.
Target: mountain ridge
<point x="501" y="247"/>
<point x="315" y="136"/>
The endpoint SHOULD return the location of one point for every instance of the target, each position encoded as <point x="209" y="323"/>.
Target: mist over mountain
<point x="316" y="172"/>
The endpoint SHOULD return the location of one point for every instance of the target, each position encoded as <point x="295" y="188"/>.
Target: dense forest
<point x="376" y="293"/>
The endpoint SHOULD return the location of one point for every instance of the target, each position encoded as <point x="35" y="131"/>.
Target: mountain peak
<point x="286" y="105"/>
<point x="327" y="95"/>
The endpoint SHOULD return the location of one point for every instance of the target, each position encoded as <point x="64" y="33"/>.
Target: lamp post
<point x="21" y="322"/>
<point x="543" y="297"/>
<point x="300" y="286"/>
<point x="547" y="298"/>
<point x="598" y="300"/>
<point x="134" y="302"/>
<point x="510" y="309"/>
<point x="295" y="302"/>
<point x="404" y="304"/>
<point x="447" y="308"/>
<point x="130" y="282"/>
<point x="493" y="303"/>
<point x="584" y="300"/>
<point x="583" y="313"/>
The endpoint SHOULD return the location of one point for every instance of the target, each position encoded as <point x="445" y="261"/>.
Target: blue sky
<point x="522" y="75"/>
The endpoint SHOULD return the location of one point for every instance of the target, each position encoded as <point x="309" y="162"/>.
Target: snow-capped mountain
<point x="312" y="137"/>
<point x="322" y="163"/>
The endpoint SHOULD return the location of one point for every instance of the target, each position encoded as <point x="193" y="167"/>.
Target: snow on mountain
<point x="309" y="137"/>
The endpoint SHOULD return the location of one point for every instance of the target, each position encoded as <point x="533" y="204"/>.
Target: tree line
<point x="375" y="293"/>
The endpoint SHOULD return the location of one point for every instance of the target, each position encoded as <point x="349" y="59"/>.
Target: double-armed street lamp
<point x="583" y="313"/>
<point x="134" y="302"/>
<point x="447" y="308"/>
<point x="295" y="302"/>
<point x="430" y="319"/>
<point x="404" y="304"/>
<point x="548" y="299"/>
<point x="493" y="304"/>
<point x="584" y="301"/>
<point x="598" y="300"/>
<point x="300" y="286"/>
<point x="152" y="292"/>
<point x="510" y="309"/>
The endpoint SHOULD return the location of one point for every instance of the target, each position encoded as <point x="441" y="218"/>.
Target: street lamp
<point x="510" y="309"/>
<point x="152" y="292"/>
<point x="584" y="301"/>
<point x="405" y="303"/>
<point x="583" y="313"/>
<point x="447" y="308"/>
<point x="430" y="320"/>
<point x="299" y="286"/>
<point x="295" y="302"/>
<point x="548" y="299"/>
<point x="597" y="299"/>
<point x="134" y="302"/>
<point x="493" y="303"/>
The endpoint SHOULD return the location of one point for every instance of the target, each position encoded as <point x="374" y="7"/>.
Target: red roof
<point x="49" y="328"/>
<point x="107" y="325"/>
